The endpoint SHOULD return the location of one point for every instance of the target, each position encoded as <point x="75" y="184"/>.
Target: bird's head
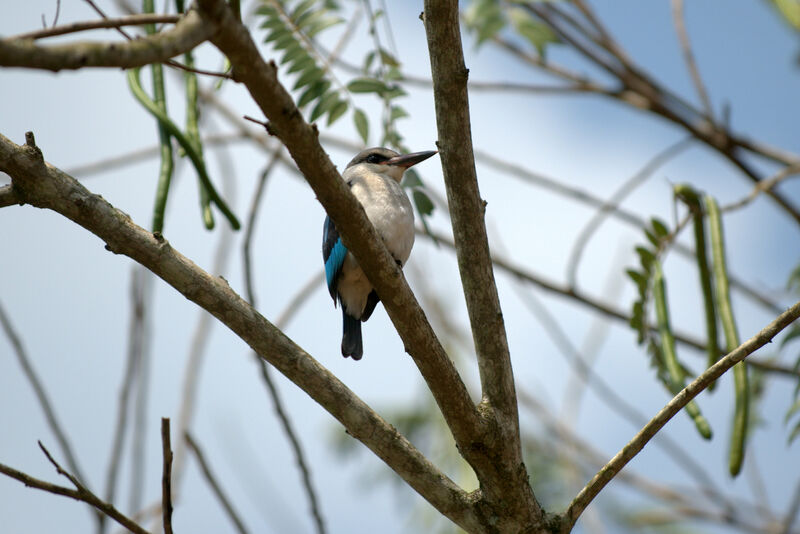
<point x="388" y="162"/>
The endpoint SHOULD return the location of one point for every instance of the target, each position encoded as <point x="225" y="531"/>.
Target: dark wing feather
<point x="372" y="300"/>
<point x="333" y="254"/>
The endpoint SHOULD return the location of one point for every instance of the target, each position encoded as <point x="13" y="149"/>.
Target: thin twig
<point x="763" y="186"/>
<point x="105" y="17"/>
<point x="40" y="391"/>
<point x="688" y="57"/>
<point x="284" y="419"/>
<point x="41" y="395"/>
<point x="212" y="482"/>
<point x="108" y="23"/>
<point x="136" y="339"/>
<point x="620" y="213"/>
<point x="291" y="309"/>
<point x="203" y="328"/>
<point x="611" y="205"/>
<point x="140" y="343"/>
<point x="80" y="494"/>
<point x="598" y="305"/>
<point x="732" y="511"/>
<point x="170" y="62"/>
<point x="608" y="395"/>
<point x="83" y="494"/>
<point x="166" y="476"/>
<point x="610" y="470"/>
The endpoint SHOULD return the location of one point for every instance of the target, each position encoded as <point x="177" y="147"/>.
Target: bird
<point x="374" y="176"/>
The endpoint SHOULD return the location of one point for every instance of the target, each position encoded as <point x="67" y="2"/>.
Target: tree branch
<point x="44" y="186"/>
<point x="166" y="477"/>
<point x="222" y="497"/>
<point x="131" y="20"/>
<point x="360" y="237"/>
<point x="79" y="494"/>
<point x="610" y="470"/>
<point x="467" y="210"/>
<point x="190" y="31"/>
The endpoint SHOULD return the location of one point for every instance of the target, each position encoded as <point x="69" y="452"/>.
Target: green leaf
<point x="301" y="8"/>
<point x="366" y="85"/>
<point x="388" y="59"/>
<point x="309" y="77"/>
<point x="646" y="258"/>
<point x="411" y="179"/>
<point x="267" y="10"/>
<point x="337" y="111"/>
<point x="393" y="91"/>
<point x="655" y="241"/>
<point x="485" y="18"/>
<point x="639" y="279"/>
<point x="285" y="41"/>
<point x="637" y="317"/>
<point x="659" y="226"/>
<point x="302" y="64"/>
<point x="273" y="22"/>
<point x="313" y="92"/>
<point x="536" y="32"/>
<point x="293" y="53"/>
<point x="793" y="283"/>
<point x="397" y="113"/>
<point x="793" y="409"/>
<point x="325" y="103"/>
<point x="322" y="24"/>
<point x="362" y="124"/>
<point x="277" y="33"/>
<point x="370" y="57"/>
<point x="795" y="432"/>
<point x="794" y="333"/>
<point x="790" y="10"/>
<point x="422" y="202"/>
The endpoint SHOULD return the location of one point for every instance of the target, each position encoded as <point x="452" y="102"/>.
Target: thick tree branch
<point x="8" y="197"/>
<point x="467" y="209"/>
<point x="506" y="479"/>
<point x="44" y="186"/>
<point x="190" y="31"/>
<point x="610" y="470"/>
<point x="301" y="140"/>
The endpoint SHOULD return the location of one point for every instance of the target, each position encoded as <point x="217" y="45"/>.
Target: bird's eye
<point x="375" y="158"/>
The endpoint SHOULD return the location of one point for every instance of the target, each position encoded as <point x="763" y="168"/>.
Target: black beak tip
<point x="408" y="160"/>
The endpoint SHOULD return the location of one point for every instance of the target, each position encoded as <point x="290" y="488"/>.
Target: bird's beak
<point x="407" y="160"/>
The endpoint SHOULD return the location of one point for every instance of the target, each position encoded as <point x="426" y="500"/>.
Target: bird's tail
<point x="351" y="337"/>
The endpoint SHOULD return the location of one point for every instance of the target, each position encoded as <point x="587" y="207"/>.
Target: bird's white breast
<point x="389" y="210"/>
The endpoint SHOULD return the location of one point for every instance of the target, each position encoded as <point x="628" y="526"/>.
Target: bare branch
<point x="502" y="480"/>
<point x="132" y="20"/>
<point x="600" y="306"/>
<point x="136" y="338"/>
<point x="277" y="403"/>
<point x="79" y="494"/>
<point x="8" y="197"/>
<point x="609" y="471"/>
<point x="613" y="203"/>
<point x="190" y="31"/>
<point x="166" y="477"/>
<point x="45" y="186"/>
<point x="212" y="482"/>
<point x="41" y="394"/>
<point x="688" y="57"/>
<point x="764" y="185"/>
